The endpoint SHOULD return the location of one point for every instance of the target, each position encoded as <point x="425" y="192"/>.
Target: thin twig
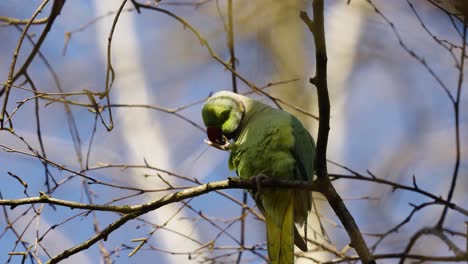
<point x="456" y="109"/>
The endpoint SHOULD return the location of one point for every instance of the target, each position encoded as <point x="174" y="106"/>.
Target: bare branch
<point x="317" y="29"/>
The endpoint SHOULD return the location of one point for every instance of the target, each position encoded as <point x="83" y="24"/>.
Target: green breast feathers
<point x="264" y="145"/>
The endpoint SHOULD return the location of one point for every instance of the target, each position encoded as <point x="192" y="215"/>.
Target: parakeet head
<point x="222" y="114"/>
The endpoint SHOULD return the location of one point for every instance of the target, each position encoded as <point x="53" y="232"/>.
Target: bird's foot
<point x="258" y="180"/>
<point x="225" y="146"/>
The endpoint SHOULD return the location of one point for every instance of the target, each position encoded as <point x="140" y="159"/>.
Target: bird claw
<point x="225" y="146"/>
<point x="257" y="180"/>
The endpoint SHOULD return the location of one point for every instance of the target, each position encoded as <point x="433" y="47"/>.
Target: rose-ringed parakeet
<point x="266" y="141"/>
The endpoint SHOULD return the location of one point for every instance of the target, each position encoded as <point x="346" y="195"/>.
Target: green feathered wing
<point x="274" y="143"/>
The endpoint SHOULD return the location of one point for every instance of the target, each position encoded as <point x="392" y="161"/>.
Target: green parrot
<point x="266" y="141"/>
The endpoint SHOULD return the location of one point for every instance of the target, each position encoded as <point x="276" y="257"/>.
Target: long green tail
<point x="279" y="210"/>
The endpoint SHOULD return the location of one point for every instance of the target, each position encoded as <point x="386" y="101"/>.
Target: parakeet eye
<point x="215" y="135"/>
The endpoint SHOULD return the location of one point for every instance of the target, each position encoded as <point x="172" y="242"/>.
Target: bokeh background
<point x="390" y="116"/>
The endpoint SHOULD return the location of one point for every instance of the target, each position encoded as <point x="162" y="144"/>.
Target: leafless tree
<point x="95" y="169"/>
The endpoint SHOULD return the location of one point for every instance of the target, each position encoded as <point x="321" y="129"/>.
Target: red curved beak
<point x="215" y="135"/>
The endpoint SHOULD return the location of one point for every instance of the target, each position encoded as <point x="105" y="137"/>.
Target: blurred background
<point x="390" y="74"/>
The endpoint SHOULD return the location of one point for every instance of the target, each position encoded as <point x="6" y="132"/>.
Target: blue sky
<point x="389" y="115"/>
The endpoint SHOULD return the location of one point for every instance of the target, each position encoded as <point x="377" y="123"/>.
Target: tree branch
<point x="132" y="212"/>
<point x="55" y="11"/>
<point x="317" y="29"/>
<point x="231" y="183"/>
